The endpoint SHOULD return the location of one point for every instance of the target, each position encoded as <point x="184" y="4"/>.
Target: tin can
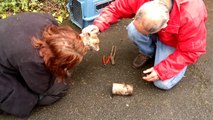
<point x="122" y="89"/>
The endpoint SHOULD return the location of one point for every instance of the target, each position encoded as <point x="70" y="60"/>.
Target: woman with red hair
<point x="35" y="56"/>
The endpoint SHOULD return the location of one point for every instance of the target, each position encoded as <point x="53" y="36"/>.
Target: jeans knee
<point x="132" y="32"/>
<point x="163" y="85"/>
<point x="131" y="35"/>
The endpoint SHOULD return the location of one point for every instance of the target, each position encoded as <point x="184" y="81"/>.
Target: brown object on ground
<point x="140" y="60"/>
<point x="112" y="54"/>
<point x="122" y="89"/>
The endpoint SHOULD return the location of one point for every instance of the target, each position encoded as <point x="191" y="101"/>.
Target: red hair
<point x="61" y="49"/>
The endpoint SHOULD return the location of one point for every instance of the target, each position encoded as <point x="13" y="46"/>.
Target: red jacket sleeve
<point x="191" y="44"/>
<point x="116" y="10"/>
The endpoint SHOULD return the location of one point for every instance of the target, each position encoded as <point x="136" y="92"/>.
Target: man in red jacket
<point x="171" y="31"/>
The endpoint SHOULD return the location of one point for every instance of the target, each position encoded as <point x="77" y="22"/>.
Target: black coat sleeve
<point x="36" y="76"/>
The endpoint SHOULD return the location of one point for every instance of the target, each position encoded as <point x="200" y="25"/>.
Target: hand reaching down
<point x="91" y="29"/>
<point x="151" y="74"/>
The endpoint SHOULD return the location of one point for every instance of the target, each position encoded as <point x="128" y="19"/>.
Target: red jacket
<point x="186" y="31"/>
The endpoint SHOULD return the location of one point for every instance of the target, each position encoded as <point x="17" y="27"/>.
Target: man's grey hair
<point x="153" y="15"/>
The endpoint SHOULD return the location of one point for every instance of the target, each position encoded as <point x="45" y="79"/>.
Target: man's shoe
<point x="140" y="60"/>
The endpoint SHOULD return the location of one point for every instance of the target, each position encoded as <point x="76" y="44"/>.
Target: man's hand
<point x="151" y="74"/>
<point x="91" y="29"/>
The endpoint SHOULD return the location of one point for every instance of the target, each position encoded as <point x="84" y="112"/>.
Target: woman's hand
<point x="151" y="74"/>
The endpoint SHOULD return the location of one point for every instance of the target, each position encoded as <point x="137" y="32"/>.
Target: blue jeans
<point x="151" y="46"/>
